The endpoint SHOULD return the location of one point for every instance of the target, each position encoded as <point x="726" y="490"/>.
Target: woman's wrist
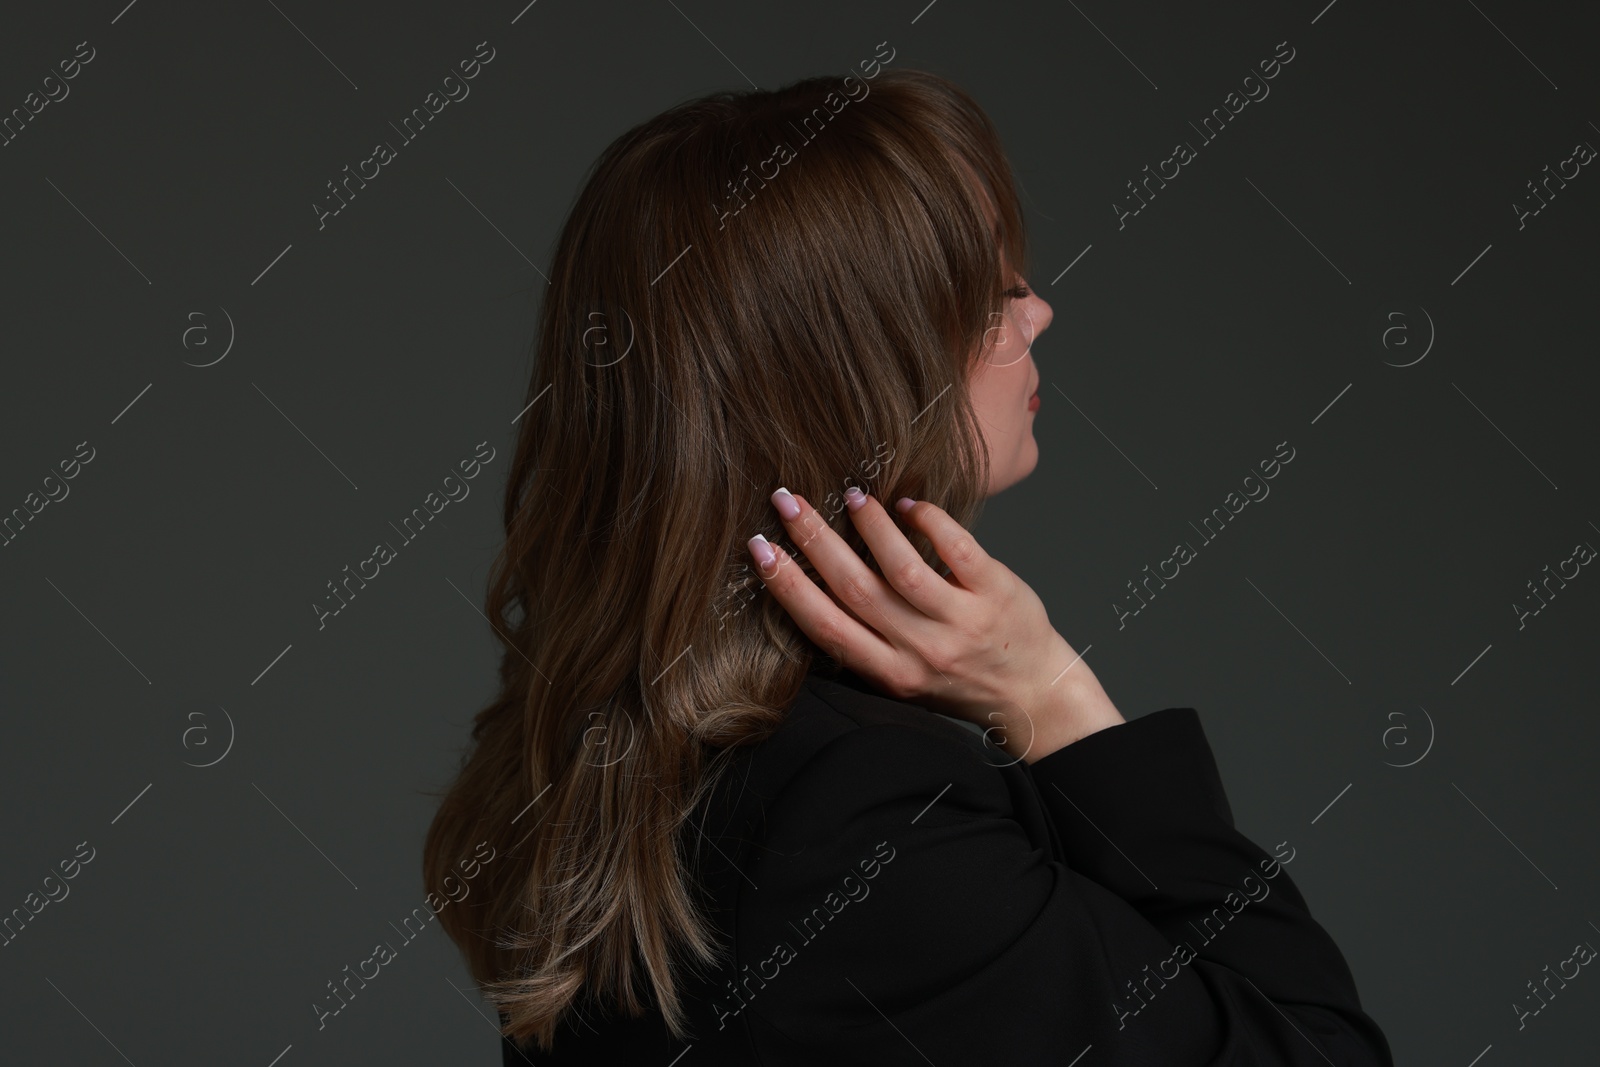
<point x="1069" y="709"/>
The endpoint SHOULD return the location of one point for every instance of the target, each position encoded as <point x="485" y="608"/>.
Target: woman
<point x="859" y="802"/>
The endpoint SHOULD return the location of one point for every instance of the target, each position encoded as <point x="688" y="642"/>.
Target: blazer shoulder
<point x="863" y="751"/>
<point x="831" y="712"/>
<point x="822" y="696"/>
<point x="828" y="720"/>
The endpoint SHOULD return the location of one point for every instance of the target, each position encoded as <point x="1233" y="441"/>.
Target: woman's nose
<point x="1042" y="315"/>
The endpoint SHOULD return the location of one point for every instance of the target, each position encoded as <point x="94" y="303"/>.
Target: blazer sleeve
<point x="900" y="912"/>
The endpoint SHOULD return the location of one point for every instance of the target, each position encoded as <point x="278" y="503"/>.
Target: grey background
<point x="1357" y="618"/>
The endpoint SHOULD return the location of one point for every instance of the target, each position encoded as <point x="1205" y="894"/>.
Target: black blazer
<point x="896" y="890"/>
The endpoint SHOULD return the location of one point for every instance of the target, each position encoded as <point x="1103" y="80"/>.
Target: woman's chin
<point x="1026" y="460"/>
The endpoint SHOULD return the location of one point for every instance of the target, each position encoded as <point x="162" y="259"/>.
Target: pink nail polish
<point x="855" y="498"/>
<point x="762" y="551"/>
<point x="904" y="504"/>
<point x="784" y="501"/>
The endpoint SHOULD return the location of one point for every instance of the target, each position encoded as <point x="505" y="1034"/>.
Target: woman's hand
<point x="977" y="645"/>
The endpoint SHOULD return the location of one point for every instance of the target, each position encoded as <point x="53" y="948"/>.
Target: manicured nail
<point x="762" y="551"/>
<point x="904" y="504"/>
<point x="785" y="503"/>
<point x="855" y="498"/>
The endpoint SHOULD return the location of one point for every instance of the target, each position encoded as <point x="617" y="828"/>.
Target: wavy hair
<point x="732" y="307"/>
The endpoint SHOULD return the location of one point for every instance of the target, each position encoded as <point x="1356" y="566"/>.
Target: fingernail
<point x="762" y="551"/>
<point x="854" y="498"/>
<point x="904" y="504"/>
<point x="785" y="503"/>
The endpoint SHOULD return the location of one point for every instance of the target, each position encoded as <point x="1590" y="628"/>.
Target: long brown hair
<point x="724" y="316"/>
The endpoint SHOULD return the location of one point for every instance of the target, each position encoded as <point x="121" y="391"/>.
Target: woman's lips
<point x="1033" y="402"/>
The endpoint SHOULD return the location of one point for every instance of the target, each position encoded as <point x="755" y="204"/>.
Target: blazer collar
<point x="825" y="667"/>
